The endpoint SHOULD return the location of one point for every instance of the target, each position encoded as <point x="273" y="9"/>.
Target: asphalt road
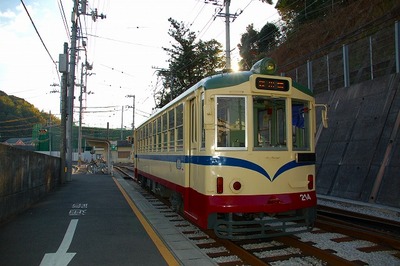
<point x="84" y="222"/>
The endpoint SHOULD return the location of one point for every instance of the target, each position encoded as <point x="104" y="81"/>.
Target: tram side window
<point x="140" y="140"/>
<point x="164" y="132"/>
<point x="159" y="134"/>
<point x="301" y="125"/>
<point x="145" y="137"/>
<point x="231" y="121"/>
<point x="269" y="122"/>
<point x="150" y="137"/>
<point x="179" y="127"/>
<point x="154" y="136"/>
<point x="148" y="147"/>
<point x="171" y="128"/>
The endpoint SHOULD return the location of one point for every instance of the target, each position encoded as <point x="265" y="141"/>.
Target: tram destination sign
<point x="272" y="84"/>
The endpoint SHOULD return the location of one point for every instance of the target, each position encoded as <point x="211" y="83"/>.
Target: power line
<point x="40" y="37"/>
<point x="64" y="18"/>
<point x="121" y="41"/>
<point x="37" y="32"/>
<point x="18" y="119"/>
<point x="120" y="71"/>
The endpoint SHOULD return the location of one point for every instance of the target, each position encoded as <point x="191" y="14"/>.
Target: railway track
<point x="332" y="242"/>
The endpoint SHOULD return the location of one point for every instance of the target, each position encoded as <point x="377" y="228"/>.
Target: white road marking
<point x="61" y="257"/>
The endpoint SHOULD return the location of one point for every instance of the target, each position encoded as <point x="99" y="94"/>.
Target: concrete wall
<point x="25" y="177"/>
<point x="358" y="156"/>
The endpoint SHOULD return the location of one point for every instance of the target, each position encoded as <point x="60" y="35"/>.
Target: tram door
<point x="193" y="149"/>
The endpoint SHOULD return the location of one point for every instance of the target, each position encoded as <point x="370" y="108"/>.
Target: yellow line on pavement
<point x="165" y="252"/>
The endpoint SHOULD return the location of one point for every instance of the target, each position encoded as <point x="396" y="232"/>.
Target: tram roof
<point x="219" y="81"/>
<point x="209" y="83"/>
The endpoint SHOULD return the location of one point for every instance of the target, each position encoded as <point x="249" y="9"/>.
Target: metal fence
<point x="367" y="58"/>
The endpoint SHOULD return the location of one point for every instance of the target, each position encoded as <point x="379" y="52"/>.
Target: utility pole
<point x="227" y="35"/>
<point x="228" y="16"/>
<point x="63" y="68"/>
<point x="83" y="87"/>
<point x="50" y="133"/>
<point x="133" y="107"/>
<point x="71" y="88"/>
<point x="78" y="9"/>
<point x="122" y="121"/>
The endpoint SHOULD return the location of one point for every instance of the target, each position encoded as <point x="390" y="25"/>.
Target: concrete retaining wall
<point x="25" y="177"/>
<point x="358" y="156"/>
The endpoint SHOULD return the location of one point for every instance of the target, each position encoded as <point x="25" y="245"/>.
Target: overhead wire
<point x="37" y="32"/>
<point x="17" y="120"/>
<point x="64" y="18"/>
<point x="40" y="37"/>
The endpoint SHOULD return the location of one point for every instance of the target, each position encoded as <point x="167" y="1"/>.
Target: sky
<point x="125" y="50"/>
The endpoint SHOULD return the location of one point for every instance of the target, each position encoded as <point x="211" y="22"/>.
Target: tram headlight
<point x="266" y="66"/>
<point x="236" y="186"/>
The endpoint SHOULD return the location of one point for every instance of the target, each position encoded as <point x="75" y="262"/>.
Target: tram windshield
<point x="300" y="125"/>
<point x="269" y="122"/>
<point x="231" y="122"/>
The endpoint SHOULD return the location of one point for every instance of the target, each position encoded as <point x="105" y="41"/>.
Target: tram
<point x="235" y="153"/>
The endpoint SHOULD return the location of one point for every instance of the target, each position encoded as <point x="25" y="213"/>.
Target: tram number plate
<point x="305" y="197"/>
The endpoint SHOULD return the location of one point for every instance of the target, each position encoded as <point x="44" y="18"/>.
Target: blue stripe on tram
<point x="223" y="161"/>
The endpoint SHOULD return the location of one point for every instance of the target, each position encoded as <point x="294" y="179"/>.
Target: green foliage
<point x="20" y="119"/>
<point x="254" y="45"/>
<point x="17" y="117"/>
<point x="189" y="62"/>
<point x="268" y="38"/>
<point x="248" y="48"/>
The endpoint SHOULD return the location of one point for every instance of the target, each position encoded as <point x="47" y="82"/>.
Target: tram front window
<point x="269" y="123"/>
<point x="231" y="122"/>
<point x="301" y="125"/>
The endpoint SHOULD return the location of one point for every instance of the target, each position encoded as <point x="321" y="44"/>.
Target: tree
<point x="268" y="38"/>
<point x="254" y="45"/>
<point x="248" y="47"/>
<point x="189" y="62"/>
<point x="17" y="117"/>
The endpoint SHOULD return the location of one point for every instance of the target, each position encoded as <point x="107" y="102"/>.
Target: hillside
<point x="18" y="117"/>
<point x="344" y="24"/>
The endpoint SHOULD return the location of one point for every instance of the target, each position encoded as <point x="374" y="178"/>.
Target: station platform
<point x="95" y="220"/>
